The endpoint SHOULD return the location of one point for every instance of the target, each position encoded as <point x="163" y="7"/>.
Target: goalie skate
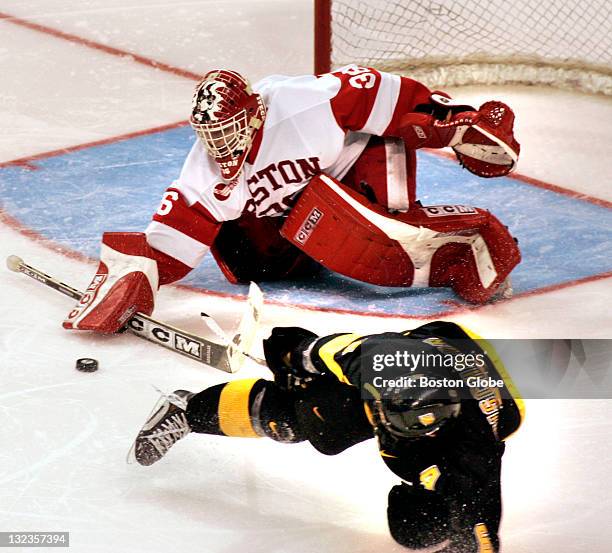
<point x="166" y="425"/>
<point x="504" y="292"/>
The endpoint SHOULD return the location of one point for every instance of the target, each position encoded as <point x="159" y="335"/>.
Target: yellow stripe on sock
<point x="234" y="413"/>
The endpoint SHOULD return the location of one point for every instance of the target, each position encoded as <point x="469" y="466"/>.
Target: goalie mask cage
<point x="562" y="43"/>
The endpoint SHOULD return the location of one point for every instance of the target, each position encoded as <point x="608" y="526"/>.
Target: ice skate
<point x="504" y="291"/>
<point x="166" y="425"/>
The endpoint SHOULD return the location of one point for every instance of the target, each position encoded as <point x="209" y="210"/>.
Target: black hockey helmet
<point x="409" y="385"/>
<point x="424" y="412"/>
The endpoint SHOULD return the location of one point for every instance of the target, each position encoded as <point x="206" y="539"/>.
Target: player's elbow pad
<point x="124" y="284"/>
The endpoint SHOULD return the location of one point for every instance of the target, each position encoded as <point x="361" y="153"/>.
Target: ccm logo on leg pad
<point x="444" y="210"/>
<point x="303" y="233"/>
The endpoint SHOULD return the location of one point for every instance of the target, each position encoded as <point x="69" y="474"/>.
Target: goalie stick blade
<point x="187" y="344"/>
<point x="240" y="344"/>
<point x="247" y="329"/>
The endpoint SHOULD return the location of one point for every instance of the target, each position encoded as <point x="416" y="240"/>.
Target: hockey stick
<point x="219" y="356"/>
<point x="242" y="341"/>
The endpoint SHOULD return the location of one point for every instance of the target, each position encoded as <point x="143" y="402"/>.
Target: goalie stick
<point x="227" y="357"/>
<point x="243" y="339"/>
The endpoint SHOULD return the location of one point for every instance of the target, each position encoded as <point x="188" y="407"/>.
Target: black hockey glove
<point x="284" y="352"/>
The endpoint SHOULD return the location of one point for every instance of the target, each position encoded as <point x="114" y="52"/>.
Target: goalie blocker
<point x="124" y="284"/>
<point x="461" y="247"/>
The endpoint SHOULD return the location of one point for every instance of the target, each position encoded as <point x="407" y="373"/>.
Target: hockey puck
<point x="86" y="365"/>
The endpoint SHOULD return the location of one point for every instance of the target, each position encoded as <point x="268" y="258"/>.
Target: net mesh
<point x="454" y="42"/>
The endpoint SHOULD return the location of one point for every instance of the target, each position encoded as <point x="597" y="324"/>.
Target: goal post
<point x="323" y="36"/>
<point x="560" y="43"/>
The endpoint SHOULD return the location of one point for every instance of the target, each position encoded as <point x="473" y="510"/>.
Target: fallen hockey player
<point x="299" y="172"/>
<point x="444" y="442"/>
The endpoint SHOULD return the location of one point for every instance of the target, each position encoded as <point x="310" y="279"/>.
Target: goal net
<point x="563" y="43"/>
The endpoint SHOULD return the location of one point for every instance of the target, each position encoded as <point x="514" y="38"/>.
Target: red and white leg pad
<point x="462" y="247"/>
<point x="125" y="283"/>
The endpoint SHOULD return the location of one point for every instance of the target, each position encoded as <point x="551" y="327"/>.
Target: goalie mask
<point x="226" y="115"/>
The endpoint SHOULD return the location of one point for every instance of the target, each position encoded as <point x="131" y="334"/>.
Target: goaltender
<point x="444" y="443"/>
<point x="296" y="173"/>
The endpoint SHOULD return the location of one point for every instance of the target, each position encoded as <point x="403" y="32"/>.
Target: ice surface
<point x="65" y="434"/>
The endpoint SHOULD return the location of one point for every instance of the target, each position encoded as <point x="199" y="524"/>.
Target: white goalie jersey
<point x="314" y="124"/>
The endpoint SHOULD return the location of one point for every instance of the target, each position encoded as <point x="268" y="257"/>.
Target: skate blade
<point x="131" y="455"/>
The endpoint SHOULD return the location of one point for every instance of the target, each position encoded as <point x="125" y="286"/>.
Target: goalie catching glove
<point x="482" y="140"/>
<point x="124" y="284"/>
